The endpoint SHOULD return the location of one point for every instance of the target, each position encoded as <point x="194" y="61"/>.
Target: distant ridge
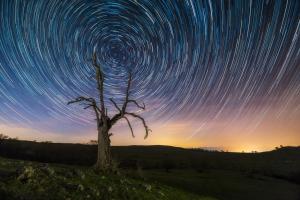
<point x="283" y="162"/>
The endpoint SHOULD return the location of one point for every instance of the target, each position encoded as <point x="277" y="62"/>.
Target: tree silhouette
<point x="3" y="137"/>
<point x="104" y="122"/>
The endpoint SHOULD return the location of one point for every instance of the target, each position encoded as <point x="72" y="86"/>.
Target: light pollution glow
<point x="270" y="133"/>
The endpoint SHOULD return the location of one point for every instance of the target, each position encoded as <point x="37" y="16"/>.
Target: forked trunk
<point x="103" y="163"/>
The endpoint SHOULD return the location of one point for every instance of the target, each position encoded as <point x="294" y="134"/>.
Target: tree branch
<point x="122" y="111"/>
<point x="91" y="103"/>
<point x="128" y="122"/>
<point x="143" y="121"/>
<point x="115" y="118"/>
<point x="88" y="106"/>
<point x="103" y="120"/>
<point x="100" y="81"/>
<point x="81" y="98"/>
<point x="137" y="105"/>
<point x="115" y="104"/>
<point x="127" y="93"/>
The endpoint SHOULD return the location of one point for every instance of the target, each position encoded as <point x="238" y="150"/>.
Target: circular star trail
<point x="191" y="60"/>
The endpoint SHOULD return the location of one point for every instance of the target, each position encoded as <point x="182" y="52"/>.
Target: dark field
<point x="221" y="175"/>
<point x="228" y="185"/>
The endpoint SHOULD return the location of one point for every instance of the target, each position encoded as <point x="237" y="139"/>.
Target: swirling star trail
<point x="209" y="71"/>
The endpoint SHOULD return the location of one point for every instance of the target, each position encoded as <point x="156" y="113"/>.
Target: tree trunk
<point x="103" y="163"/>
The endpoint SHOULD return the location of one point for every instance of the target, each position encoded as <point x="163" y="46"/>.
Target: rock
<point x="80" y="187"/>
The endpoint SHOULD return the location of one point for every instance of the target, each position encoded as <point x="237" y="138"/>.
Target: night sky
<point x="223" y="74"/>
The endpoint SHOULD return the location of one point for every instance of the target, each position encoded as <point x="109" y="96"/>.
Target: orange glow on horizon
<point x="271" y="132"/>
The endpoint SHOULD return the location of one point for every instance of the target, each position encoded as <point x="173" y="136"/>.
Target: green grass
<point x="35" y="181"/>
<point x="227" y="185"/>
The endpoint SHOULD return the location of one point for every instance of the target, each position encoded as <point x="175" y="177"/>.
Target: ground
<point x="148" y="172"/>
<point x="226" y="184"/>
<point x="34" y="181"/>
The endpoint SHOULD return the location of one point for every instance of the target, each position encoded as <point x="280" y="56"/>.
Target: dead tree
<point x="104" y="122"/>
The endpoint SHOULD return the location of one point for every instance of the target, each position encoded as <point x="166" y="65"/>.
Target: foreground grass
<point x="34" y="181"/>
<point x="226" y="185"/>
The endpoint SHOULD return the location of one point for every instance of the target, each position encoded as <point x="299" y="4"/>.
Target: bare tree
<point x="104" y="122"/>
<point x="3" y="137"/>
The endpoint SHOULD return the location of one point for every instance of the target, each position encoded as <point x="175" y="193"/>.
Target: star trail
<point x="205" y="69"/>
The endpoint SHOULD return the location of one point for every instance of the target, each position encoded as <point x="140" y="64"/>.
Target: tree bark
<point x="103" y="163"/>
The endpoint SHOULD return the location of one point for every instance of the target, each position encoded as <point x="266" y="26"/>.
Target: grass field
<point x="20" y="180"/>
<point x="227" y="185"/>
<point x="273" y="175"/>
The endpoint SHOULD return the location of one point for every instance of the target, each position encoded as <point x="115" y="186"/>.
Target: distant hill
<point x="281" y="163"/>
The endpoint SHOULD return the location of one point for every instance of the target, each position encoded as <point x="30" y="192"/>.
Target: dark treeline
<point x="281" y="163"/>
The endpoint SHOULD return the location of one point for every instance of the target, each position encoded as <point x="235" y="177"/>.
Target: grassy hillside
<point x="226" y="184"/>
<point x="33" y="181"/>
<point x="273" y="175"/>
<point x="283" y="163"/>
